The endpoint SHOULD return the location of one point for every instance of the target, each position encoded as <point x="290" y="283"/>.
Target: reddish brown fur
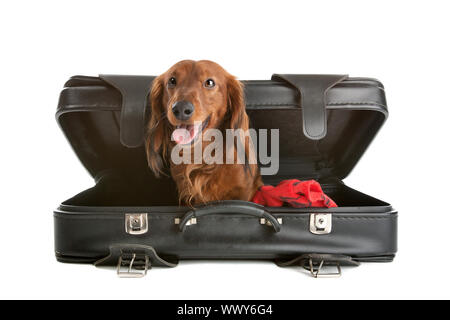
<point x="224" y="104"/>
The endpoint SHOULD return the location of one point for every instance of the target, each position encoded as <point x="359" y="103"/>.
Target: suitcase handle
<point x="230" y="207"/>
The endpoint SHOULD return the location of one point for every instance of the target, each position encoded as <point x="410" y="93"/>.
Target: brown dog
<point x="188" y="99"/>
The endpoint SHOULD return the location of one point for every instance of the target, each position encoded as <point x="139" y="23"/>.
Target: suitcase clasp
<point x="320" y="265"/>
<point x="134" y="260"/>
<point x="316" y="269"/>
<point x="136" y="223"/>
<point x="320" y="223"/>
<point x="132" y="265"/>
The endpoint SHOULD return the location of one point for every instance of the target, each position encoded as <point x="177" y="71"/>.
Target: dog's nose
<point x="183" y="110"/>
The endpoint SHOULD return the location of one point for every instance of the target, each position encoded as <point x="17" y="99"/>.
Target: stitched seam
<point x="341" y="218"/>
<point x="275" y="104"/>
<point x="355" y="103"/>
<point x="171" y="216"/>
<point x="364" y="218"/>
<point x="270" y="104"/>
<point x="332" y="103"/>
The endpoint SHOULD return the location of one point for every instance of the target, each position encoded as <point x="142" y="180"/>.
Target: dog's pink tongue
<point x="181" y="135"/>
<point x="185" y="134"/>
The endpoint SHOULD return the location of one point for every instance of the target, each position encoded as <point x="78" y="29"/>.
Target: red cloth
<point x="295" y="193"/>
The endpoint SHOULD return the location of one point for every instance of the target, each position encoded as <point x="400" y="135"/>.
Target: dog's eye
<point x="209" y="83"/>
<point x="172" y="82"/>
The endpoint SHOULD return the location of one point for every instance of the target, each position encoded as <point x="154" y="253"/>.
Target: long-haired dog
<point x="187" y="100"/>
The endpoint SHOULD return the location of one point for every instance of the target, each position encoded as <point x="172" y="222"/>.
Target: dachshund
<point x="187" y="100"/>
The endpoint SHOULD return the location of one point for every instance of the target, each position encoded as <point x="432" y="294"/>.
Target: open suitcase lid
<point x="325" y="122"/>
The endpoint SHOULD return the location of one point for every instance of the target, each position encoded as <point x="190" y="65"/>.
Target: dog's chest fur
<point x="200" y="183"/>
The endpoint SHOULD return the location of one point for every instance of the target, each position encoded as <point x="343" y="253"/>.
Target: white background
<point x="402" y="43"/>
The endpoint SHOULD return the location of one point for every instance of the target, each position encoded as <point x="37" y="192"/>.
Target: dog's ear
<point x="156" y="138"/>
<point x="236" y="104"/>
<point x="238" y="118"/>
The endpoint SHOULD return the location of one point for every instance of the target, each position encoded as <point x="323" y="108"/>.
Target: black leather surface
<point x="358" y="233"/>
<point x="304" y="259"/>
<point x="355" y="111"/>
<point x="88" y="225"/>
<point x="117" y="250"/>
<point x="134" y="91"/>
<point x="230" y="207"/>
<point x="313" y="90"/>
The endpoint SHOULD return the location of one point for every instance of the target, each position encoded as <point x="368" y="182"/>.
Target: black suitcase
<point x="132" y="219"/>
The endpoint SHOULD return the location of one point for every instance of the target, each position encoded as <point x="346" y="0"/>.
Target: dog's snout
<point x="183" y="110"/>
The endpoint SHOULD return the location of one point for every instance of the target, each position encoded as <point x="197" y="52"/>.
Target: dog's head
<point x="190" y="97"/>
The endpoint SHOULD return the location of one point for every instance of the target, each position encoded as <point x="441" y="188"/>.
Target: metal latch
<point x="316" y="269"/>
<point x="320" y="265"/>
<point x="136" y="223"/>
<point x="132" y="265"/>
<point x="320" y="223"/>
